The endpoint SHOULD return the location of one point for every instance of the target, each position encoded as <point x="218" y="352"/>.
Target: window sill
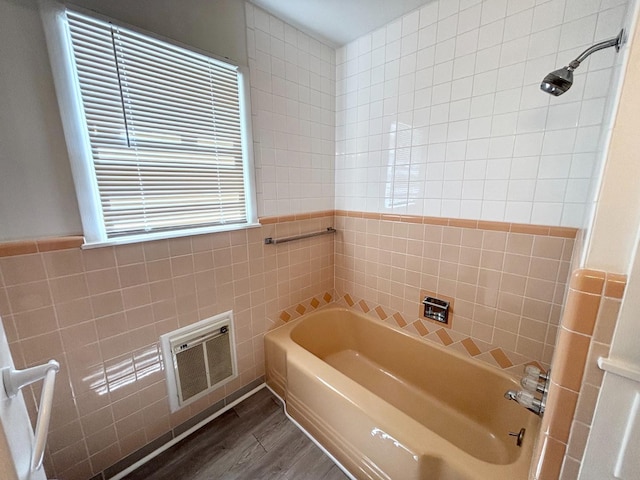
<point x="150" y="237"/>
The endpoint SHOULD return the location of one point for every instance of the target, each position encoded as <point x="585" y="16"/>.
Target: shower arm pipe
<point x="613" y="42"/>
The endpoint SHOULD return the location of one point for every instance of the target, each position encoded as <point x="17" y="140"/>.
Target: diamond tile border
<point x="299" y="309"/>
<point x="505" y="360"/>
<point x="381" y="313"/>
<point x="470" y="347"/>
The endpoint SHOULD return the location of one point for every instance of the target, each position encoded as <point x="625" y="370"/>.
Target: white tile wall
<point x="439" y="113"/>
<point x="293" y="108"/>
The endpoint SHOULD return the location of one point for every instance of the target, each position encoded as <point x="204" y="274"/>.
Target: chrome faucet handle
<point x="534" y="372"/>
<point x="534" y="383"/>
<point x="510" y="395"/>
<point x="527" y="400"/>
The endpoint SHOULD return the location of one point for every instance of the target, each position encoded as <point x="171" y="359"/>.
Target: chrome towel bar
<point x="275" y="241"/>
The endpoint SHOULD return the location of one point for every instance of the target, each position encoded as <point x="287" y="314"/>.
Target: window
<point x="158" y="134"/>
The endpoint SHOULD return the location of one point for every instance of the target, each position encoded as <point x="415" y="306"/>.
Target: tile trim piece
<point x="550" y="231"/>
<point x="615" y="285"/>
<point x="583" y="310"/>
<point x="554" y="452"/>
<point x="295" y="217"/>
<point x="561" y="408"/>
<point x="570" y="363"/>
<point x="59" y="243"/>
<point x="9" y="249"/>
<point x="23" y="247"/>
<point x="588" y="281"/>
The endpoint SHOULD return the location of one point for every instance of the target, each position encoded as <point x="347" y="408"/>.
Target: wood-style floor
<point x="253" y="440"/>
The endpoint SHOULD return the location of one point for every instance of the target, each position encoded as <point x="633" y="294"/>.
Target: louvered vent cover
<point x="219" y="355"/>
<point x="192" y="371"/>
<point x="198" y="359"/>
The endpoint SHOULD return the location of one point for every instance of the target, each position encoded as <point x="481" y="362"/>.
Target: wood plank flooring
<point x="253" y="440"/>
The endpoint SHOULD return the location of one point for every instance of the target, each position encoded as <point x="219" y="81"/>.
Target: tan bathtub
<point x="388" y="405"/>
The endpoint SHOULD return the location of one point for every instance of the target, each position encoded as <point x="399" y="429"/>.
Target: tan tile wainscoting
<point x="100" y="311"/>
<point x="506" y="282"/>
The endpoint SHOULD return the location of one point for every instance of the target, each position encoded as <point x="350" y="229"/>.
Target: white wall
<point x="37" y="197"/>
<point x="293" y="107"/>
<point x="440" y="114"/>
<point x="417" y="99"/>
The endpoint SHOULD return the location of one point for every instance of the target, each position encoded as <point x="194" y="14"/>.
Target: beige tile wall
<point x="588" y="322"/>
<point x="507" y="284"/>
<point x="100" y="313"/>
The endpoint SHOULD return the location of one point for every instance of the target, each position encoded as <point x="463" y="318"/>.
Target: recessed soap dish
<point x="436" y="309"/>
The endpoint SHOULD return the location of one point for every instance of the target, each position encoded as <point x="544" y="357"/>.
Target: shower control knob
<point x="533" y="371"/>
<point x="532" y="384"/>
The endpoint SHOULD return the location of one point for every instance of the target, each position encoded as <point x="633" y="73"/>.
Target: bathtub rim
<point x="298" y="354"/>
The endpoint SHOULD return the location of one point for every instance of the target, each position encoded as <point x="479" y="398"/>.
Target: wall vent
<point x="199" y="358"/>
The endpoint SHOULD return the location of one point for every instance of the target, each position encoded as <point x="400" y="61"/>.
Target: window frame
<point x="67" y="87"/>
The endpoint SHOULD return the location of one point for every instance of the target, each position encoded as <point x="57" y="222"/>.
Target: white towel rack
<point x="14" y="380"/>
<point x="620" y="367"/>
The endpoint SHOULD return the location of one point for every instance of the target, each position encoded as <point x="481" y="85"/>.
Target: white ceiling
<point x="337" y="22"/>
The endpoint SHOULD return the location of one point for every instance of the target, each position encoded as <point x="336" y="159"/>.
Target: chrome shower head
<point x="559" y="81"/>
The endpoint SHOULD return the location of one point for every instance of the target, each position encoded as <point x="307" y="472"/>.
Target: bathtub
<point x="387" y="405"/>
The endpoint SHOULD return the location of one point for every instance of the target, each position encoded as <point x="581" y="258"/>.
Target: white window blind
<point x="165" y="131"/>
